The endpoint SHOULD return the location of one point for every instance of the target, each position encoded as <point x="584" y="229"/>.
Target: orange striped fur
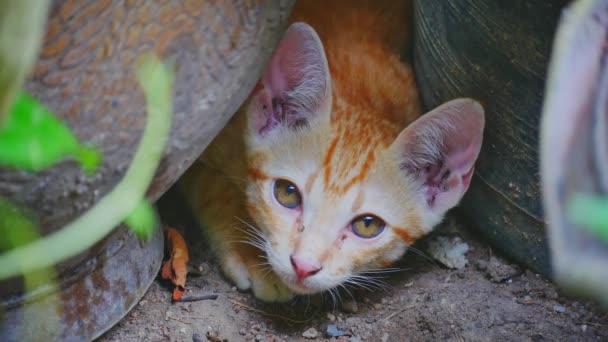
<point x="343" y="165"/>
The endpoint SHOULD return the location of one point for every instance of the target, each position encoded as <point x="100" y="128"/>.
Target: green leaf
<point x="591" y="212"/>
<point x="142" y="220"/>
<point x="33" y="139"/>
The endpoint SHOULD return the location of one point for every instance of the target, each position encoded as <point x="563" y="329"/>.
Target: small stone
<point x="242" y="332"/>
<point x="366" y="300"/>
<point x="310" y="333"/>
<point x="256" y="327"/>
<point x="331" y="317"/>
<point x="333" y="331"/>
<point x="354" y="339"/>
<point x="196" y="337"/>
<point x="182" y="330"/>
<point x="259" y="338"/>
<point x="551" y="293"/>
<point x="143" y="302"/>
<point x="377" y="306"/>
<point x="353" y="321"/>
<point x="559" y="308"/>
<point x="449" y="251"/>
<point x="481" y="265"/>
<point x="350" y="306"/>
<point x="385" y="337"/>
<point x="370" y="320"/>
<point x="584" y="328"/>
<point x="536" y="338"/>
<point x="234" y="289"/>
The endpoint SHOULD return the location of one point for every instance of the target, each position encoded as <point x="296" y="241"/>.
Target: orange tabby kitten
<point x="328" y="170"/>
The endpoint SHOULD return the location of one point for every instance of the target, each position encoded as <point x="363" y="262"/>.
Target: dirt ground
<point x="489" y="300"/>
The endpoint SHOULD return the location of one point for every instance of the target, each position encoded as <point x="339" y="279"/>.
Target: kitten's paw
<point x="236" y="270"/>
<point x="265" y="284"/>
<point x="268" y="287"/>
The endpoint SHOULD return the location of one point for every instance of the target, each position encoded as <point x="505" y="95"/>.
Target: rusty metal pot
<point x="497" y="52"/>
<point x="85" y="74"/>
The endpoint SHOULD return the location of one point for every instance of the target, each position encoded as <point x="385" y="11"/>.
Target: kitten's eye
<point x="367" y="226"/>
<point x="287" y="194"/>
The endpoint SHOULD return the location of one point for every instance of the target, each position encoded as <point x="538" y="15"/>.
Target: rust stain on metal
<point x="85" y="75"/>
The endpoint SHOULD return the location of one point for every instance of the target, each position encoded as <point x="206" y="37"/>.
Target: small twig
<point x="179" y="320"/>
<point x="196" y="298"/>
<point x="268" y="314"/>
<point x="400" y="311"/>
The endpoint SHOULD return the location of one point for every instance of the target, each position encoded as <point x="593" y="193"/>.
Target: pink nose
<point x="303" y="269"/>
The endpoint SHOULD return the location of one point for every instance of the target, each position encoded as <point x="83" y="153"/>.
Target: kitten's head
<point x="334" y="198"/>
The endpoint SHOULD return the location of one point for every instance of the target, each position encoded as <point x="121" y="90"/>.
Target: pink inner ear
<point x="295" y="83"/>
<point x="441" y="148"/>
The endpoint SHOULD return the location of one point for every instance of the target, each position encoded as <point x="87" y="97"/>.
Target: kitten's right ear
<point x="296" y="85"/>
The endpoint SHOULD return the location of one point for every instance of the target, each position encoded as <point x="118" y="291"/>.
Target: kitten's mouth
<point x="302" y="287"/>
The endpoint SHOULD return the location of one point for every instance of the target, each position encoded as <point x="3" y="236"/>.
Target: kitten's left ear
<point x="440" y="149"/>
<point x="295" y="87"/>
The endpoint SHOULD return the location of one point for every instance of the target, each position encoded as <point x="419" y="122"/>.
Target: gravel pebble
<point x="551" y="293"/>
<point x="310" y="333"/>
<point x="196" y="337"/>
<point x="331" y="317"/>
<point x="350" y="306"/>
<point x="559" y="308"/>
<point x="333" y="331"/>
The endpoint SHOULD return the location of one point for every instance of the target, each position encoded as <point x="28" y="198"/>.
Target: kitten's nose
<point x="303" y="269"/>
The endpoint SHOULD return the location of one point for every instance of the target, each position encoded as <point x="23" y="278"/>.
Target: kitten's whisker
<point x="267" y="272"/>
<point x="423" y="255"/>
<point x="333" y="298"/>
<point x="357" y="284"/>
<point x="347" y="291"/>
<point x="368" y="282"/>
<point x="373" y="281"/>
<point x="386" y="270"/>
<point x="249" y="242"/>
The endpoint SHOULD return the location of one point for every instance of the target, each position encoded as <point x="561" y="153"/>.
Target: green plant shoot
<point x="124" y="201"/>
<point x="33" y="139"/>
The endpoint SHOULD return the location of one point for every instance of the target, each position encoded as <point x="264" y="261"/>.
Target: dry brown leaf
<point x="175" y="269"/>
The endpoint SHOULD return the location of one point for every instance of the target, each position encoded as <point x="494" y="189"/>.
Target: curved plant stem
<point x="156" y="80"/>
<point x="22" y="27"/>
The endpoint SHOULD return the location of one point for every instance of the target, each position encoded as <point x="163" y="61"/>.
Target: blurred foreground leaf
<point x="142" y="220"/>
<point x="590" y="212"/>
<point x="33" y="139"/>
